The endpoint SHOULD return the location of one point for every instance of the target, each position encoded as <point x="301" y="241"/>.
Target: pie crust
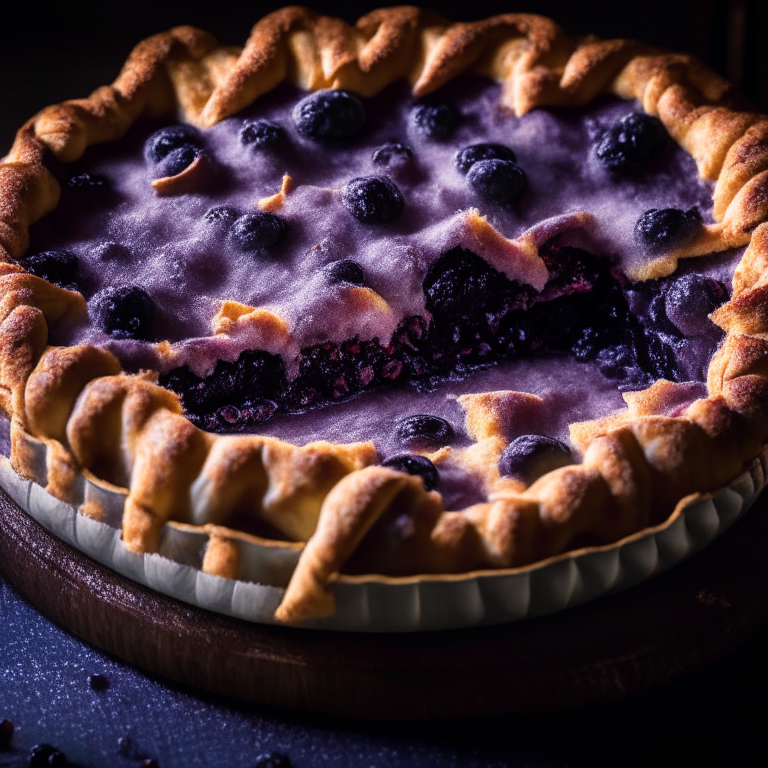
<point x="637" y="465"/>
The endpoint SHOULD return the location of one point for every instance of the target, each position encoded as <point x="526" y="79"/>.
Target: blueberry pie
<point x="419" y="297"/>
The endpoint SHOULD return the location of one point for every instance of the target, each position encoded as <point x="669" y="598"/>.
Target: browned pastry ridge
<point x="637" y="466"/>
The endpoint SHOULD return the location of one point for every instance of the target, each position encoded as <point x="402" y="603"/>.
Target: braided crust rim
<point x="128" y="431"/>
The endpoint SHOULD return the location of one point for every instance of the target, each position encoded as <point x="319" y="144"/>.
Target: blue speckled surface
<point x="44" y="691"/>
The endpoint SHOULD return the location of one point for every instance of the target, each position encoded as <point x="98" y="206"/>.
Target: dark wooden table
<point x="678" y="664"/>
<point x="624" y="644"/>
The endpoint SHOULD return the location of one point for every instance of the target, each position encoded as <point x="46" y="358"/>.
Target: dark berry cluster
<point x="528" y="457"/>
<point x="258" y="231"/>
<point x="478" y="318"/>
<point x="659" y="230"/>
<point x="629" y="145"/>
<point x="172" y="149"/>
<point x="236" y="396"/>
<point x="252" y="233"/>
<point x="492" y="172"/>
<point x="58" y="267"/>
<point x="329" y="116"/>
<point x="468" y="156"/>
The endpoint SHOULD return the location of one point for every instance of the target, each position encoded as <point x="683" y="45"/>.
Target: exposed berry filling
<point x="329" y="115"/>
<point x="479" y="319"/>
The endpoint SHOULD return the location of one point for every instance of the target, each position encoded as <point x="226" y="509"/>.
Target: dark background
<point x="713" y="718"/>
<point x="66" y="49"/>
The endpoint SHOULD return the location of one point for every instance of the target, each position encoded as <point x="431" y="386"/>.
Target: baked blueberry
<point x="690" y="299"/>
<point x="258" y="231"/>
<point x="6" y="734"/>
<point x="125" y="312"/>
<point x="176" y="161"/>
<point x="255" y="374"/>
<point x="329" y="115"/>
<point x="497" y="181"/>
<point x="344" y="271"/>
<point x="467" y="157"/>
<point x="58" y="267"/>
<point x="528" y="457"/>
<point x="413" y="464"/>
<point x="629" y="145"/>
<point x="392" y="153"/>
<point x="222" y="214"/>
<point x="373" y="199"/>
<point x="46" y="756"/>
<point x="423" y="429"/>
<point x="660" y="229"/>
<point x="261" y="134"/>
<point x="98" y="682"/>
<point x="435" y="121"/>
<point x="161" y="143"/>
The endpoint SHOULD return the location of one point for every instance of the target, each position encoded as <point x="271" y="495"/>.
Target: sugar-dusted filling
<point x="187" y="265"/>
<point x="418" y="318"/>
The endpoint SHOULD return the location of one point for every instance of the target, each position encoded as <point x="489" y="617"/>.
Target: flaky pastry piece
<point x="636" y="465"/>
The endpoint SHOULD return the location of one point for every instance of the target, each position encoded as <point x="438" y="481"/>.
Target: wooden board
<point x="632" y="642"/>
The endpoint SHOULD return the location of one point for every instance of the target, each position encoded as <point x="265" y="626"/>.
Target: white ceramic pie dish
<point x="379" y="603"/>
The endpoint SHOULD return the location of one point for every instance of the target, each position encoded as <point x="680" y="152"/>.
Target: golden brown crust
<point x="128" y="431"/>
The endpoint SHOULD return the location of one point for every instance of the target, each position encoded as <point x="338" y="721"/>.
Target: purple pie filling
<point x="383" y="210"/>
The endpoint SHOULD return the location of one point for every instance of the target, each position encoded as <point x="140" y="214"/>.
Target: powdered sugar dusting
<point x="189" y="265"/>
